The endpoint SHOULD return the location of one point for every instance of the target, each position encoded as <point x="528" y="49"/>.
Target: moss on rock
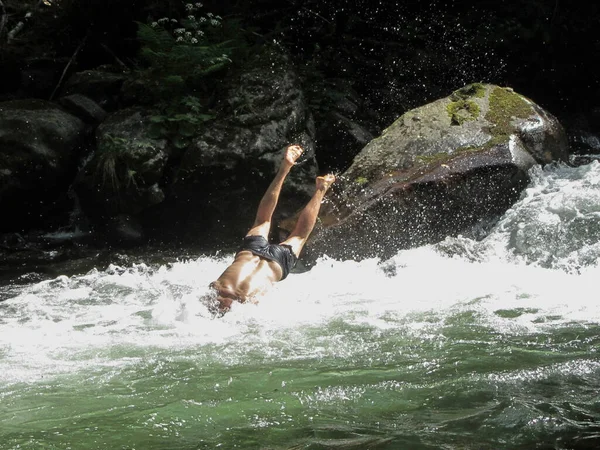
<point x="433" y="159"/>
<point x="462" y="108"/>
<point x="462" y="111"/>
<point x="476" y="90"/>
<point x="505" y="106"/>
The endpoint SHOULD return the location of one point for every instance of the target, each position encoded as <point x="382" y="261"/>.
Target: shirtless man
<point x="258" y="264"/>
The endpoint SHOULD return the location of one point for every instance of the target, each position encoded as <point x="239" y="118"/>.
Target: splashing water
<point x="463" y="344"/>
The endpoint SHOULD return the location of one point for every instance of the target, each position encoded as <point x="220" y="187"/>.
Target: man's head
<point x="224" y="303"/>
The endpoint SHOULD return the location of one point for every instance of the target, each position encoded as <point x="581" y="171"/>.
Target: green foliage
<point x="505" y="106"/>
<point x="181" y="59"/>
<point x="178" y="55"/>
<point x="177" y="65"/>
<point x="178" y="121"/>
<point x="461" y="111"/>
<point x="113" y="162"/>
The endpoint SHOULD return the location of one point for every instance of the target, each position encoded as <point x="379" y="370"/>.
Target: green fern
<point x="180" y="58"/>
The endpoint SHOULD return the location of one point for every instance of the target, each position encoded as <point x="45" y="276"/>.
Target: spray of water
<point x="70" y="323"/>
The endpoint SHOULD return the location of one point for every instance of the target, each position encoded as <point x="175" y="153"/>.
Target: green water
<point x="468" y="344"/>
<point x="331" y="387"/>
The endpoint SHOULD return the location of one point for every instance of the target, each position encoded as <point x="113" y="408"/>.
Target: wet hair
<point x="211" y="300"/>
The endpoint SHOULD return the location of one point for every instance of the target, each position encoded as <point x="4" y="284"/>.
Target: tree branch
<point x="20" y="25"/>
<point x="81" y="44"/>
<point x="316" y="14"/>
<point x="113" y="54"/>
<point x="3" y="19"/>
<point x="18" y="28"/>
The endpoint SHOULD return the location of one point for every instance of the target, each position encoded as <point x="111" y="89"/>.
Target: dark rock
<point x="438" y="170"/>
<point x="340" y="140"/>
<point x="224" y="172"/>
<point x="83" y="107"/>
<point x="101" y="86"/>
<point x="343" y="123"/>
<point x="583" y="160"/>
<point x="594" y="119"/>
<point x="584" y="142"/>
<point x="12" y="241"/>
<point x="40" y="76"/>
<point x="123" y="174"/>
<point x="124" y="230"/>
<point x="39" y="145"/>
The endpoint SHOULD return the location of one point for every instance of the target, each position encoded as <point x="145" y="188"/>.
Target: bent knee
<point x="260" y="229"/>
<point x="296" y="244"/>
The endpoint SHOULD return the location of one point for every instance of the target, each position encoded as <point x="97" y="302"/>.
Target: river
<point x="466" y="344"/>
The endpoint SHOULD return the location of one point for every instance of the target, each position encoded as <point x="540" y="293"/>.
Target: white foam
<point x="70" y="323"/>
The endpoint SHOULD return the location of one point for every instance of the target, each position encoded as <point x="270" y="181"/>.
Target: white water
<point x="541" y="260"/>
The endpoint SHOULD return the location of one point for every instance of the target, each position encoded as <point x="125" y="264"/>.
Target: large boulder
<point x="222" y="174"/>
<point x="102" y="86"/>
<point x="344" y="123"/>
<point x="123" y="175"/>
<point x="438" y="170"/>
<point x="160" y="174"/>
<point x="39" y="151"/>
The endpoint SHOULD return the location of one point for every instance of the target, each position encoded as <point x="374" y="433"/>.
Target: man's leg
<point x="308" y="216"/>
<point x="262" y="223"/>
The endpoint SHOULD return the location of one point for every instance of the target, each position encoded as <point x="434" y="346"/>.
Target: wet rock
<point x="12" y="241"/>
<point x="437" y="171"/>
<point x="125" y="231"/>
<point x="584" y="142"/>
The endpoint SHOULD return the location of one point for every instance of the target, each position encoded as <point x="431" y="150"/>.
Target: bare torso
<point x="247" y="277"/>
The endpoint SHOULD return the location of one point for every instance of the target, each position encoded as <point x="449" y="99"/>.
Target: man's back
<point x="247" y="277"/>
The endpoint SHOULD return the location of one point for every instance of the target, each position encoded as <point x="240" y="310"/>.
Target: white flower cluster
<point x="188" y="30"/>
<point x="220" y="59"/>
<point x="193" y="6"/>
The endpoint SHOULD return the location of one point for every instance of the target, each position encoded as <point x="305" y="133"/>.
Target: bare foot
<point x="325" y="181"/>
<point x="292" y="153"/>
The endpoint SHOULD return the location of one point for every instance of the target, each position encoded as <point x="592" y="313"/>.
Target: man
<point x="258" y="264"/>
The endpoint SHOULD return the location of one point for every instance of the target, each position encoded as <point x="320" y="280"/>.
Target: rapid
<point x="486" y="342"/>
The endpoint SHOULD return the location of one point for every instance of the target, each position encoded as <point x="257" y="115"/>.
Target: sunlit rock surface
<point x="222" y="174"/>
<point x="438" y="170"/>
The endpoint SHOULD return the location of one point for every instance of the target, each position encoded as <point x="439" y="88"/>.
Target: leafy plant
<point x="179" y="54"/>
<point x="113" y="158"/>
<point x="178" y="121"/>
<point x="180" y="57"/>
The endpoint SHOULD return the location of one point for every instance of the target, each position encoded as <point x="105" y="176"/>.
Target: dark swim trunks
<point x="280" y="253"/>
